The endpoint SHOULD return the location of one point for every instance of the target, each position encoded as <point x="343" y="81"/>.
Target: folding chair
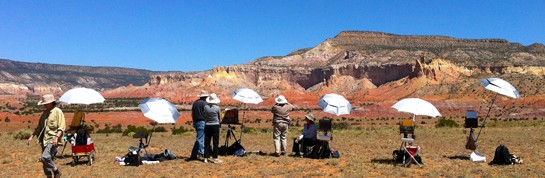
<point x="407" y="153"/>
<point x="412" y="152"/>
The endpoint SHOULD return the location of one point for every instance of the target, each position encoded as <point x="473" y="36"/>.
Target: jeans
<point x="211" y="133"/>
<point x="279" y="137"/>
<point x="198" y="147"/>
<point x="48" y="154"/>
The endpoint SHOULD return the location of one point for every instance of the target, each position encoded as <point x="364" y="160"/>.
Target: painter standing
<point x="49" y="132"/>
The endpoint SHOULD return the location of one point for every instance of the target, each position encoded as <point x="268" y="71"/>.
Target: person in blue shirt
<point x="308" y="137"/>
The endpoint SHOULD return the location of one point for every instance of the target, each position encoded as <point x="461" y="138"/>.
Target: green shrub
<point x="443" y="122"/>
<point x="176" y="131"/>
<point x="22" y="134"/>
<point x="132" y="128"/>
<point x="246" y="129"/>
<point x="108" y="129"/>
<point x="340" y="126"/>
<point x="160" y="129"/>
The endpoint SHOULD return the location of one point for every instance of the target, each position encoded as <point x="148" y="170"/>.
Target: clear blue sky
<point x="198" y="35"/>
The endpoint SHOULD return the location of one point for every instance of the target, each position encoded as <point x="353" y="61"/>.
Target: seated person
<point x="307" y="139"/>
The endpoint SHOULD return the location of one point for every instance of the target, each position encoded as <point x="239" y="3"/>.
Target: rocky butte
<point x="371" y="69"/>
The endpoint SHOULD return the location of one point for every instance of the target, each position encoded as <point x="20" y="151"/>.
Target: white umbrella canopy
<point x="416" y="106"/>
<point x="246" y="95"/>
<point x="81" y="96"/>
<point x="500" y="86"/>
<point x="159" y="110"/>
<point x="335" y="104"/>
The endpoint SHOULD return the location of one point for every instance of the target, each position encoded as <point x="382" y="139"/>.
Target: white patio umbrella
<point x="416" y="106"/>
<point x="246" y="95"/>
<point x="81" y="96"/>
<point x="159" y="110"/>
<point x="335" y="104"/>
<point x="499" y="86"/>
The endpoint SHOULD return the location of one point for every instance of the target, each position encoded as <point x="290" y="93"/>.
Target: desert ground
<point x="365" y="152"/>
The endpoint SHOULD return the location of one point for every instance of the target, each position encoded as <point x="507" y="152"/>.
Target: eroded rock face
<point x="353" y="62"/>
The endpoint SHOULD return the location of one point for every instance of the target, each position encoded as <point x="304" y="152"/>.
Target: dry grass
<point x="364" y="153"/>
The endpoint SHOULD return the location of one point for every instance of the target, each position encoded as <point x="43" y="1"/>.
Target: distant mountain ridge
<point x="369" y="68"/>
<point x="39" y="77"/>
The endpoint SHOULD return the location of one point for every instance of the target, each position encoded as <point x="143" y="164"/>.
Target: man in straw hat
<point x="308" y="137"/>
<point x="281" y="120"/>
<point x="49" y="132"/>
<point x="198" y="116"/>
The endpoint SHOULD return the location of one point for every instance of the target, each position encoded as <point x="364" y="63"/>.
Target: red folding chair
<point x="412" y="152"/>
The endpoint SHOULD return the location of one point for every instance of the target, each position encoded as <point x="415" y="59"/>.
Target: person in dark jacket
<point x="212" y="128"/>
<point x="198" y="115"/>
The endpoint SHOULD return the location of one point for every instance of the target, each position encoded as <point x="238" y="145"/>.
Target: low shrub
<point x="160" y="129"/>
<point x="22" y="134"/>
<point x="340" y="125"/>
<point x="176" y="131"/>
<point x="108" y="129"/>
<point x="132" y="128"/>
<point x="443" y="122"/>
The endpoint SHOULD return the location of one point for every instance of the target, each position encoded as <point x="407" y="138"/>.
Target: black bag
<point x="231" y="149"/>
<point x="501" y="156"/>
<point x="321" y="151"/>
<point x="81" y="137"/>
<point x="132" y="159"/>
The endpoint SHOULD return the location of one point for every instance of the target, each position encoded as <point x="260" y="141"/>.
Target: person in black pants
<point x="212" y="128"/>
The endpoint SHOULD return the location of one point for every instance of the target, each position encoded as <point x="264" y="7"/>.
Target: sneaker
<point x="277" y="154"/>
<point x="217" y="161"/>
<point x="297" y="155"/>
<point x="205" y="160"/>
<point x="283" y="153"/>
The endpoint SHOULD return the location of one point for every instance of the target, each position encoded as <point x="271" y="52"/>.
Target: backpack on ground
<point x="502" y="156"/>
<point x="133" y="159"/>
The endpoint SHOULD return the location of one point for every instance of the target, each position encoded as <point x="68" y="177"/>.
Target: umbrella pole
<point x="241" y="126"/>
<point x="151" y="133"/>
<point x="486" y="117"/>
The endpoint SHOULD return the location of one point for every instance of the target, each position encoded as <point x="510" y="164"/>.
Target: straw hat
<point x="46" y="99"/>
<point x="213" y="99"/>
<point x="310" y="117"/>
<point x="204" y="93"/>
<point x="281" y="99"/>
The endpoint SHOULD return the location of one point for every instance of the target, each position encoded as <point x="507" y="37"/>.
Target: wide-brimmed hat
<point x="46" y="99"/>
<point x="213" y="98"/>
<point x="281" y="99"/>
<point x="204" y="93"/>
<point x="310" y="117"/>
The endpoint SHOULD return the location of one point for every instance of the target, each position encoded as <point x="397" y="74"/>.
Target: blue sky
<point x="189" y="35"/>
